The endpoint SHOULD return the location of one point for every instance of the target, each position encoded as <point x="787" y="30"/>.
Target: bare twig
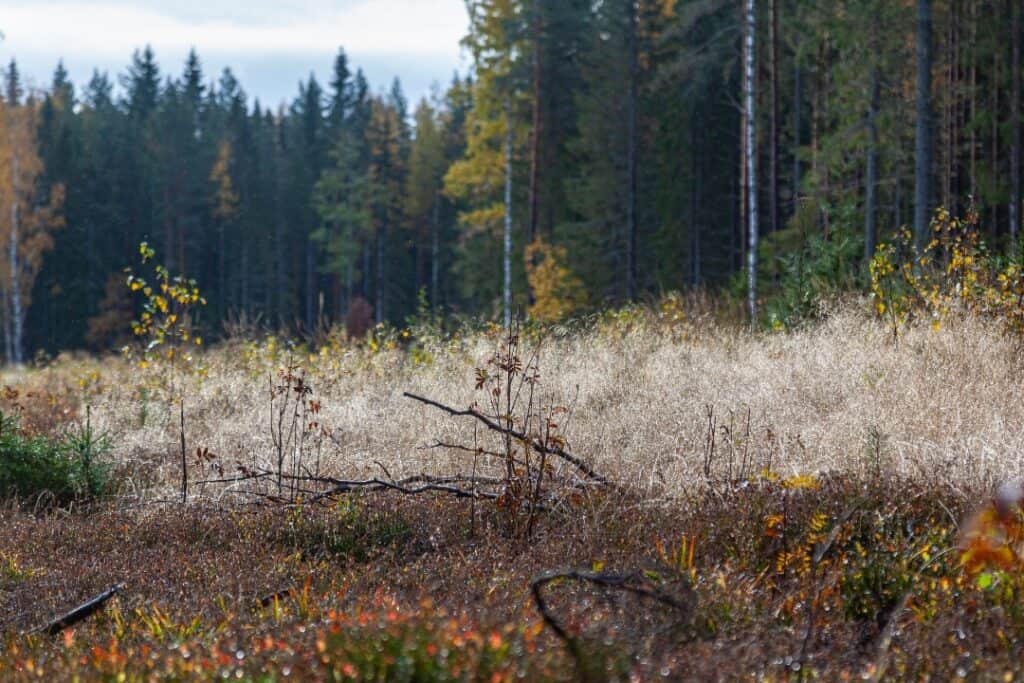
<point x="889" y="631"/>
<point x="410" y="485"/>
<point x="819" y="553"/>
<point x="512" y="433"/>
<point x="634" y="583"/>
<point x="236" y="480"/>
<point x="184" y="461"/>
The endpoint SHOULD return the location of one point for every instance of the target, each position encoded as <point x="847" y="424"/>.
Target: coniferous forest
<point x="595" y="153"/>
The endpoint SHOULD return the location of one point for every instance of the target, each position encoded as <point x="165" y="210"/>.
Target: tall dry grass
<point x="840" y="395"/>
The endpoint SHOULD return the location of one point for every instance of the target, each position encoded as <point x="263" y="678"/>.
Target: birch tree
<point x="28" y="219"/>
<point x="750" y="154"/>
<point x="484" y="178"/>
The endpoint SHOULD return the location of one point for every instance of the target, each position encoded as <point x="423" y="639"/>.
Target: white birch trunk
<point x="17" y="321"/>
<point x="751" y="158"/>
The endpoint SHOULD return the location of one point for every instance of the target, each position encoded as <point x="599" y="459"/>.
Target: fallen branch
<point x="410" y="485"/>
<point x="881" y="664"/>
<point x="819" y="553"/>
<point x="519" y="436"/>
<point x="80" y="613"/>
<point x="419" y="483"/>
<point x="234" y="480"/>
<point x="631" y="583"/>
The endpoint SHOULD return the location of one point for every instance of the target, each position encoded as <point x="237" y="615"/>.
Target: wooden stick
<point x="184" y="461"/>
<point x="80" y="613"/>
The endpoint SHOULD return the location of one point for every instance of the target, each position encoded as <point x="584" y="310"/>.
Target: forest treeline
<point x="596" y="153"/>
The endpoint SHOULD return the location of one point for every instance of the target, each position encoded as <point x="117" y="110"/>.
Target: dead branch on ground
<point x="80" y="613"/>
<point x="634" y="583"/>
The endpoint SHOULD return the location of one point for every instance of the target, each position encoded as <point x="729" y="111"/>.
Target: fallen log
<point x="80" y="613"/>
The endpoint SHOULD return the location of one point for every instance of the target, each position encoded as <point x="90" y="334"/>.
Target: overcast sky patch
<point x="270" y="45"/>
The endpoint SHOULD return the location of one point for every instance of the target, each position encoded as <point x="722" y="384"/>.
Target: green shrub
<point x="66" y="469"/>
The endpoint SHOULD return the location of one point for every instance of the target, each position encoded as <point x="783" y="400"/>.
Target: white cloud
<point x="413" y="28"/>
<point x="269" y="44"/>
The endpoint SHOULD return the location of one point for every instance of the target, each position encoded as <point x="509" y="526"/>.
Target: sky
<point x="270" y="45"/>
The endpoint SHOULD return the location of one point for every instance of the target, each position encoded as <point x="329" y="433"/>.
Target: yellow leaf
<point x="801" y="481"/>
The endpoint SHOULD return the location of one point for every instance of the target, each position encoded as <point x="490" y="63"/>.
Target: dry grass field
<point x="781" y="506"/>
<point x="837" y="397"/>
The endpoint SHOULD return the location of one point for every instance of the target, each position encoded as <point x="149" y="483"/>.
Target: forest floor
<point x="780" y="506"/>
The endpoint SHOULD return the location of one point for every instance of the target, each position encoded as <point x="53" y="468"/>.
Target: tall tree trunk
<point x="8" y="331"/>
<point x="280" y="251"/>
<point x="17" y="317"/>
<point x="923" y="125"/>
<point x="956" y="90"/>
<point x="13" y="265"/>
<point x="797" y="104"/>
<point x="169" y="250"/>
<point x="996" y="75"/>
<point x="741" y="195"/>
<point x="897" y="197"/>
<point x="773" y="142"/>
<point x="695" y="190"/>
<point x="631" y="151"/>
<point x="349" y="275"/>
<point x="1015" y="126"/>
<point x="751" y="155"/>
<point x="244" y="275"/>
<point x="222" y="280"/>
<point x="435" y="254"/>
<point x="507" y="237"/>
<point x="92" y="286"/>
<point x="537" y="122"/>
<point x="816" y="88"/>
<point x="366" y="271"/>
<point x="382" y="236"/>
<point x="949" y="99"/>
<point x="973" y="111"/>
<point x="871" y="172"/>
<point x="310" y="284"/>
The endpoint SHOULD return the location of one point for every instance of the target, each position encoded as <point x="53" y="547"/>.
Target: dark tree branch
<point x="520" y="436"/>
<point x="80" y="613"/>
<point x="631" y="583"/>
